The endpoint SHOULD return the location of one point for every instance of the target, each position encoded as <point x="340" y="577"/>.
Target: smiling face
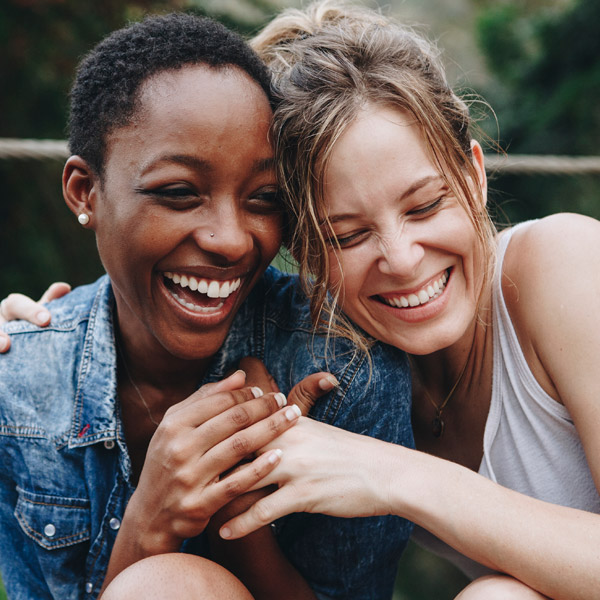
<point x="186" y="217"/>
<point x="410" y="259"/>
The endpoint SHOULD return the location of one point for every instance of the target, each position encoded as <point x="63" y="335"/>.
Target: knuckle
<point x="240" y="416"/>
<point x="233" y="488"/>
<point x="275" y="425"/>
<point x="240" y="445"/>
<point x="263" y="512"/>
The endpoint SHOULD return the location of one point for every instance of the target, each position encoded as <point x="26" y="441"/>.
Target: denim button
<point x="109" y="444"/>
<point x="89" y="587"/>
<point x="49" y="530"/>
<point x="114" y="523"/>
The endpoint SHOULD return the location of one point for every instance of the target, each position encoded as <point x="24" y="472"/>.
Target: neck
<point x="165" y="378"/>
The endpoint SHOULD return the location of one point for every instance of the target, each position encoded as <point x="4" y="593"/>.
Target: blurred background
<point x="537" y="63"/>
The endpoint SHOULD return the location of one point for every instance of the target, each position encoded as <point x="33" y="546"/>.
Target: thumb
<point x="310" y="389"/>
<point x="235" y="381"/>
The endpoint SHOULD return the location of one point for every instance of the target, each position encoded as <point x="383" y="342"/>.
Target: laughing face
<point x="187" y="216"/>
<point x="410" y="258"/>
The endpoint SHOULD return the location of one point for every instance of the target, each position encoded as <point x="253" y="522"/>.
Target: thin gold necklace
<point x="135" y="387"/>
<point x="437" y="424"/>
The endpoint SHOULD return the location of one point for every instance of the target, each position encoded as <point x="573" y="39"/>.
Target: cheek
<point x="349" y="271"/>
<point x="268" y="232"/>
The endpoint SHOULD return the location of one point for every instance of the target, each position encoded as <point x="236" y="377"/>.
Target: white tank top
<point x="530" y="443"/>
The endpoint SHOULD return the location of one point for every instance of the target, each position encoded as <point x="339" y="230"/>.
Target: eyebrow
<point x="200" y="164"/>
<point x="414" y="187"/>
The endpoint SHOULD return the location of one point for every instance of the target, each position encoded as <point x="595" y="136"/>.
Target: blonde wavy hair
<point x="328" y="61"/>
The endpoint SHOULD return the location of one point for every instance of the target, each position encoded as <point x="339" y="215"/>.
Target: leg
<point x="175" y="576"/>
<point x="499" y="587"/>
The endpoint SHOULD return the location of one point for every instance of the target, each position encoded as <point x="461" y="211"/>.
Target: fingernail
<point x="257" y="392"/>
<point x="3" y="344"/>
<point x="281" y="399"/>
<point x="275" y="456"/>
<point x="292" y="413"/>
<point x="328" y="383"/>
<point x="241" y="371"/>
<point x="225" y="532"/>
<point x="42" y="317"/>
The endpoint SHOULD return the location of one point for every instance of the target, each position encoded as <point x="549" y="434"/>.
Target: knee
<point x="499" y="587"/>
<point x="175" y="576"/>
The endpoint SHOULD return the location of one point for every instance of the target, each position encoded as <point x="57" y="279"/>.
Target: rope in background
<point x="11" y="148"/>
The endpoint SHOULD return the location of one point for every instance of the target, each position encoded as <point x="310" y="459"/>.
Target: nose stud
<point x="212" y="234"/>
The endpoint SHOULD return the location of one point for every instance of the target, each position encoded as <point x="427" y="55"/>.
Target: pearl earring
<point x="83" y="219"/>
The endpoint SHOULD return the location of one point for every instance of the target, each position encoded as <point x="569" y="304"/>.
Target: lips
<point x="420" y="297"/>
<point x="200" y="295"/>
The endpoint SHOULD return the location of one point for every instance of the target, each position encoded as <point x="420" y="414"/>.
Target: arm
<point x="18" y="306"/>
<point x="257" y="559"/>
<point x="198" y="439"/>
<point x="551" y="548"/>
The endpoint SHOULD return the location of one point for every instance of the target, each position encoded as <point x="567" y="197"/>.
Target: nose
<point x="400" y="251"/>
<point x="226" y="235"/>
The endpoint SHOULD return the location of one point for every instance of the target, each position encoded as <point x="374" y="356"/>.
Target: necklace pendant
<point x="437" y="426"/>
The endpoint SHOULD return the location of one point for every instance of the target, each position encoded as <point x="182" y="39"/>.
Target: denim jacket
<point x="66" y="474"/>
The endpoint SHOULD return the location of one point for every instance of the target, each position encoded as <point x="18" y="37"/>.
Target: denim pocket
<point x="51" y="521"/>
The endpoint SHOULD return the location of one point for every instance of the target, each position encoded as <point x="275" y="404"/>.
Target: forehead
<point x="197" y="110"/>
<point x="382" y="147"/>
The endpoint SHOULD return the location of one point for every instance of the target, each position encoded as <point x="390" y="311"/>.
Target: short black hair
<point x="105" y="93"/>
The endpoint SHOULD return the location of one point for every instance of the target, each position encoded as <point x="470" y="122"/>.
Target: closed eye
<point x="347" y="241"/>
<point x="426" y="209"/>
<point x="176" y="197"/>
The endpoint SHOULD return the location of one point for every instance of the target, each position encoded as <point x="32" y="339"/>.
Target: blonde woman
<point x="388" y="190"/>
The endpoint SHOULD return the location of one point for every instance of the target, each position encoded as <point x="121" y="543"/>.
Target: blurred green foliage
<point x="545" y="81"/>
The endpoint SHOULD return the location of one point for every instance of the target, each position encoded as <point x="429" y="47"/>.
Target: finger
<point x="232" y="382"/>
<point x="4" y="342"/>
<point x="237" y="418"/>
<point x="55" y="291"/>
<point x="241" y="482"/>
<point x="266" y="510"/>
<point x="224" y="455"/>
<point x="19" y="306"/>
<point x="199" y="408"/>
<point x="257" y="374"/>
<point x="310" y="389"/>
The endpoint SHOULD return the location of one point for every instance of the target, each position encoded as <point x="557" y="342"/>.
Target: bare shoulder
<point x="551" y="285"/>
<point x="564" y="246"/>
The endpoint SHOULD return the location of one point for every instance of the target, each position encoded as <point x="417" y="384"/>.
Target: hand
<point x="304" y="394"/>
<point x="19" y="306"/>
<point x="324" y="470"/>
<point x="199" y="439"/>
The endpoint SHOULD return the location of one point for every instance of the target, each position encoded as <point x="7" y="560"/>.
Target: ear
<point x="479" y="164"/>
<point x="81" y="186"/>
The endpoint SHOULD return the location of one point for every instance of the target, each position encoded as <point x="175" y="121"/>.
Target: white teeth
<point x="213" y="289"/>
<point x="423" y="296"/>
<point x="224" y="291"/>
<point x="196" y="308"/>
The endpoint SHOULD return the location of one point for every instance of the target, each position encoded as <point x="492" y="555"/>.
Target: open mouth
<point x="418" y="298"/>
<point x="200" y="295"/>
